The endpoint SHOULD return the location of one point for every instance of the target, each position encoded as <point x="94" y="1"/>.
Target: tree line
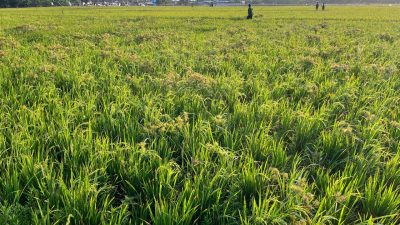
<point x="36" y="3"/>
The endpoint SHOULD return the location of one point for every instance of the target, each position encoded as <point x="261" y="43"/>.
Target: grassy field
<point x="194" y="115"/>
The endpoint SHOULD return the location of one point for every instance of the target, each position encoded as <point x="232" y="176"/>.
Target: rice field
<point x="195" y="115"/>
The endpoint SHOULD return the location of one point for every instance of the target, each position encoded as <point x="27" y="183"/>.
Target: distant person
<point x="317" y="6"/>
<point x="250" y="13"/>
<point x="323" y="6"/>
<point x="212" y="4"/>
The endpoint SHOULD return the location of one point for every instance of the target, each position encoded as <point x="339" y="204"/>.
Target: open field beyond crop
<point x="194" y="115"/>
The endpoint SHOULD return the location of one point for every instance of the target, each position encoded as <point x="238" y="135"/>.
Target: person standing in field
<point x="317" y="6"/>
<point x="323" y="6"/>
<point x="250" y="13"/>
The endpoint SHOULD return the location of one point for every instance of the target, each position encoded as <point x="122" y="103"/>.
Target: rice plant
<point x="195" y="115"/>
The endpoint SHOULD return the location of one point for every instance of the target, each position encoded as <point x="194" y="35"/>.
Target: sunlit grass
<point x="194" y="115"/>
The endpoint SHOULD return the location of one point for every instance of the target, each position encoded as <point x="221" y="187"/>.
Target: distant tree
<point x="3" y="3"/>
<point x="164" y="2"/>
<point x="184" y="2"/>
<point x="15" y="3"/>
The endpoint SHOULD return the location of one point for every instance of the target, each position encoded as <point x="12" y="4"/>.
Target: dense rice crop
<point x="193" y="115"/>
